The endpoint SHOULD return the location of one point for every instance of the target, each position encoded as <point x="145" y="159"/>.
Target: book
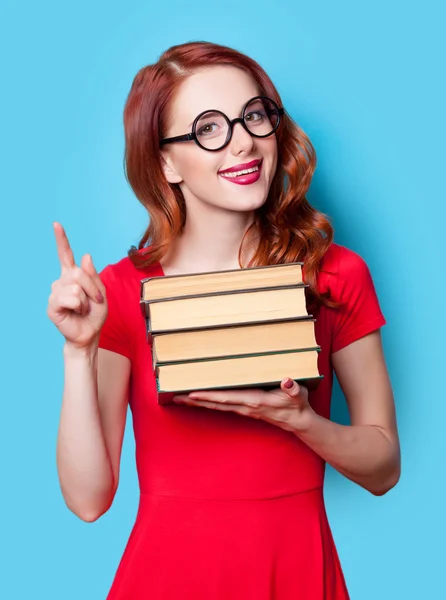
<point x="233" y="340"/>
<point x="226" y="308"/>
<point x="263" y="370"/>
<point x="230" y="329"/>
<point x="193" y="284"/>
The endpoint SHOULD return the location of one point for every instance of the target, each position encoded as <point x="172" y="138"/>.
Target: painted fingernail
<point x="99" y="297"/>
<point x="193" y="397"/>
<point x="289" y="383"/>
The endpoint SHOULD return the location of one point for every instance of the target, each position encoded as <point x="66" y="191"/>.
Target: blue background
<point x="366" y="82"/>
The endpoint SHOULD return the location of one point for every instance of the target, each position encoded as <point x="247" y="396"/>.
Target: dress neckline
<point x="160" y="269"/>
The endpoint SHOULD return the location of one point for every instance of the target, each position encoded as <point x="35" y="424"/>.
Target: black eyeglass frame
<point x="187" y="137"/>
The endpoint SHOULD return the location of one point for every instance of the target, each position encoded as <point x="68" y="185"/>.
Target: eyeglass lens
<point x="260" y="117"/>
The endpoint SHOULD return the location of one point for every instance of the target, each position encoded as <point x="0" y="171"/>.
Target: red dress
<point x="231" y="508"/>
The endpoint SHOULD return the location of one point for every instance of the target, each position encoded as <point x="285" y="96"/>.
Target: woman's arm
<point x="367" y="451"/>
<point x="94" y="404"/>
<point x="91" y="429"/>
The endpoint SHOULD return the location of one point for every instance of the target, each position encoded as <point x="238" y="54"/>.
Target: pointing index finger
<point x="64" y="250"/>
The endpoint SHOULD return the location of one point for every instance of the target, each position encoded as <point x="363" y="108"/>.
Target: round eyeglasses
<point x="212" y="129"/>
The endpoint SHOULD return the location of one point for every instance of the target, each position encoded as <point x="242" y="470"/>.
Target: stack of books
<point x="230" y="329"/>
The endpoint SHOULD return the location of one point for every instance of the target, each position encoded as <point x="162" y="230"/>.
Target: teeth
<point x="238" y="173"/>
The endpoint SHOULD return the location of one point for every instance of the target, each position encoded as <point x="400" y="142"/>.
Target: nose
<point x="241" y="140"/>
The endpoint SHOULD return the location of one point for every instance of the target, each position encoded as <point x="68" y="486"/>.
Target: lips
<point x="246" y="176"/>
<point x="242" y="166"/>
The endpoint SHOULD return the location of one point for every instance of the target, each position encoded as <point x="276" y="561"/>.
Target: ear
<point x="170" y="173"/>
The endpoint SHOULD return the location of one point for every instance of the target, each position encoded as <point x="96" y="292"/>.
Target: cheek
<point x="273" y="152"/>
<point x="197" y="165"/>
<point x="270" y="155"/>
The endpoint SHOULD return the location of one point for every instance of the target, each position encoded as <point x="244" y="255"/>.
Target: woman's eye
<point x="255" y="116"/>
<point x="207" y="129"/>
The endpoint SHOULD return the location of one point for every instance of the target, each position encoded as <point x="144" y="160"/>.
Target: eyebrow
<point x="211" y="109"/>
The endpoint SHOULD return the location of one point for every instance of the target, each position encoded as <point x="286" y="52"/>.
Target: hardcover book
<point x="236" y="372"/>
<point x="229" y="329"/>
<point x="226" y="308"/>
<point x="175" y="286"/>
<point x="234" y="340"/>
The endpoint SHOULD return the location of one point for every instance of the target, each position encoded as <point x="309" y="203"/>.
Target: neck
<point x="210" y="241"/>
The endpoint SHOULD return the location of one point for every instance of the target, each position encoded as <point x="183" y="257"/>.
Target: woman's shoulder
<point x="342" y="261"/>
<point x="346" y="274"/>
<point x="123" y="281"/>
<point x="342" y="270"/>
<point x="127" y="270"/>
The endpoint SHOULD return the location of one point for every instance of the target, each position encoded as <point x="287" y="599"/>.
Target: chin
<point x="249" y="207"/>
<point x="245" y="203"/>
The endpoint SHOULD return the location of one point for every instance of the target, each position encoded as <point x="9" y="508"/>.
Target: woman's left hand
<point x="286" y="406"/>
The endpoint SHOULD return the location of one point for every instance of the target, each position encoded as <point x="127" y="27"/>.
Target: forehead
<point x="223" y="88"/>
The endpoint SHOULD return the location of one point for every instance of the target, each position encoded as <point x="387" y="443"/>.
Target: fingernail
<point x="289" y="383"/>
<point x="99" y="297"/>
<point x="180" y="400"/>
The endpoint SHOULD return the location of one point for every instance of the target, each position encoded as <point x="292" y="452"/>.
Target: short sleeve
<point x="360" y="312"/>
<point x="114" y="334"/>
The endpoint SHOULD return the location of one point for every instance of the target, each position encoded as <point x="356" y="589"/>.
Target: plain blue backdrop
<point x="366" y="82"/>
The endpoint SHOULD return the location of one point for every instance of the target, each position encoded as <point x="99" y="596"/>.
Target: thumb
<point x="290" y="387"/>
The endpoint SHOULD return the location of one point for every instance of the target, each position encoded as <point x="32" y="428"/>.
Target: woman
<point x="231" y="482"/>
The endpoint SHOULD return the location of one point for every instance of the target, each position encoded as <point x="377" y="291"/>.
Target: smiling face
<point x="199" y="173"/>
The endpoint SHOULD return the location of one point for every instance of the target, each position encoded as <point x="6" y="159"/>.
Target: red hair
<point x="290" y="228"/>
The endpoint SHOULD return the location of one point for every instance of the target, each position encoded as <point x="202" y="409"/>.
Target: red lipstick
<point x="241" y="167"/>
<point x="243" y="178"/>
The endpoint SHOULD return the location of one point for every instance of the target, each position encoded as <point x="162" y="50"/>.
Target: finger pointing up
<point x="64" y="251"/>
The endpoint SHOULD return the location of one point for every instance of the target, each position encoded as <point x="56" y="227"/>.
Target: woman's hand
<point x="77" y="304"/>
<point x="286" y="406"/>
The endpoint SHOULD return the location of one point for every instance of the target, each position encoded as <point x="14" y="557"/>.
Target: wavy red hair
<point x="290" y="228"/>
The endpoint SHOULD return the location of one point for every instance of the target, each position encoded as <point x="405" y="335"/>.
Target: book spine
<point x="153" y="351"/>
<point x="157" y="379"/>
<point x="141" y="291"/>
<point x="156" y="372"/>
<point x="149" y="331"/>
<point x="163" y="398"/>
<point x="145" y="307"/>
